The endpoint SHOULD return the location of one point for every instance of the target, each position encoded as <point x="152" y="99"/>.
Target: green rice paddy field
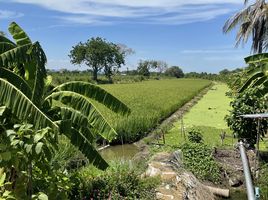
<point x="150" y="102"/>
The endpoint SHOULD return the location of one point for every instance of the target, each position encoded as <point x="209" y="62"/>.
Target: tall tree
<point x="252" y="21"/>
<point x="98" y="54"/>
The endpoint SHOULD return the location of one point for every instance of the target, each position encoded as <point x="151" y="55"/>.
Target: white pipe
<point x="247" y="174"/>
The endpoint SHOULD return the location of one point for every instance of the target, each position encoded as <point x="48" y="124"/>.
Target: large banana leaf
<point x="6" y="40"/>
<point x="6" y="46"/>
<point x="78" y="121"/>
<point x="18" y="34"/>
<point x="92" y="91"/>
<point x="257" y="58"/>
<point x="15" y="56"/>
<point x="83" y="144"/>
<point x="250" y="80"/>
<point x="22" y="107"/>
<point x="83" y="104"/>
<point x="16" y="80"/>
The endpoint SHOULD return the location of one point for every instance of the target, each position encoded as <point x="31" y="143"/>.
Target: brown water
<point x="236" y="195"/>
<point x="126" y="152"/>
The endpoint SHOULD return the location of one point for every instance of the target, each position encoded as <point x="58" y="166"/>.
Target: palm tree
<point x="252" y="21"/>
<point x="67" y="108"/>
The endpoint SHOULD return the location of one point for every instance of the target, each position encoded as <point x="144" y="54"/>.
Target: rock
<point x="176" y="182"/>
<point x="235" y="181"/>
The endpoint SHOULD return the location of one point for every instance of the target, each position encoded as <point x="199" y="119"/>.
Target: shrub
<point x="198" y="159"/>
<point x="120" y="181"/>
<point x="247" y="103"/>
<point x="195" y="136"/>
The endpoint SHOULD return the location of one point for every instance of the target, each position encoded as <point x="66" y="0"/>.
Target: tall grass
<point x="150" y="103"/>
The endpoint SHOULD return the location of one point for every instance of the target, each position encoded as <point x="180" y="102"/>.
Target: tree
<point x="252" y="20"/>
<point x="2" y="33"/>
<point x="174" y="71"/>
<point x="144" y="68"/>
<point x="159" y="65"/>
<point x="98" y="54"/>
<point x="66" y="109"/>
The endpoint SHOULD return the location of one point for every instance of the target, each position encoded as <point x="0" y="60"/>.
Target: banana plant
<point x="257" y="74"/>
<point x="67" y="109"/>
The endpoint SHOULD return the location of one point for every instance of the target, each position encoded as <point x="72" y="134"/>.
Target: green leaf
<point x="18" y="34"/>
<point x="39" y="136"/>
<point x="2" y="179"/>
<point x="28" y="148"/>
<point x="15" y="56"/>
<point x="2" y="110"/>
<point x="78" y="140"/>
<point x="257" y="58"/>
<point x="42" y="196"/>
<point x="22" y="107"/>
<point x="83" y="104"/>
<point x="5" y="156"/>
<point x="250" y="80"/>
<point x="16" y="80"/>
<point x="5" y="46"/>
<point x="38" y="147"/>
<point x="92" y="91"/>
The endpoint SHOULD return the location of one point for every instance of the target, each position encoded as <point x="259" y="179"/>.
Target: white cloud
<point x="6" y="14"/>
<point x="141" y="11"/>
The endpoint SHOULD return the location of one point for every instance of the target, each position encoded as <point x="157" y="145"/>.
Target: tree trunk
<point x="95" y="74"/>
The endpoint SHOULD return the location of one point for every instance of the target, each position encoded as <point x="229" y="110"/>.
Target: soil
<point x="231" y="166"/>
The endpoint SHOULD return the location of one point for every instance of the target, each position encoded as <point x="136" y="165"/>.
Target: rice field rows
<point x="150" y="102"/>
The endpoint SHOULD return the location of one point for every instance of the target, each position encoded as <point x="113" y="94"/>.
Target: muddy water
<point x="236" y="195"/>
<point x="126" y="151"/>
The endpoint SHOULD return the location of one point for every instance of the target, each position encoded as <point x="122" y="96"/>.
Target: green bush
<point x="197" y="157"/>
<point x="195" y="136"/>
<point x="120" y="181"/>
<point x="262" y="182"/>
<point x="247" y="103"/>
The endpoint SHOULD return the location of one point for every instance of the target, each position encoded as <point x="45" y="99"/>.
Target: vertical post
<point x="257" y="149"/>
<point x="247" y="174"/>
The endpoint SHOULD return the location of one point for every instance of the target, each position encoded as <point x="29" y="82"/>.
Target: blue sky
<point x="183" y="33"/>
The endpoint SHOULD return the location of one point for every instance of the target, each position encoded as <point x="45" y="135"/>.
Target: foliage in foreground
<point x="247" y="103"/>
<point x="262" y="182"/>
<point x="197" y="157"/>
<point x="120" y="181"/>
<point x="34" y="114"/>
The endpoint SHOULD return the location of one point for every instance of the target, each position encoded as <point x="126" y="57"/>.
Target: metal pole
<point x="247" y="174"/>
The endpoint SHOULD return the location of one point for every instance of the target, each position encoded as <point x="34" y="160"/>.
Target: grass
<point x="208" y="117"/>
<point x="150" y="102"/>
